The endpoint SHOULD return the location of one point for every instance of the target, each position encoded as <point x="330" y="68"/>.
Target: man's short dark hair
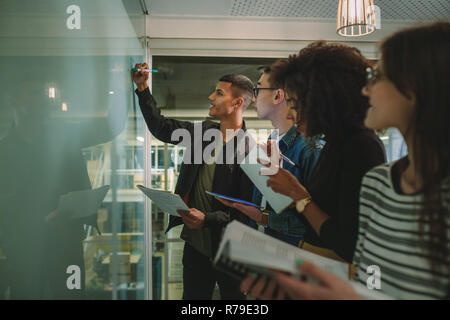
<point x="267" y="70"/>
<point x="264" y="69"/>
<point x="241" y="86"/>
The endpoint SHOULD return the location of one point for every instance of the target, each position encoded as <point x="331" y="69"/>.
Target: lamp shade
<point x="356" y="18"/>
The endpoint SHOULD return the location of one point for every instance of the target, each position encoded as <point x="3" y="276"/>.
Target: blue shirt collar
<point x="289" y="137"/>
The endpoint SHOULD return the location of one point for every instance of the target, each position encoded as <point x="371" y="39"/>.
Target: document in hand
<point x="245" y="250"/>
<point x="166" y="201"/>
<point x="252" y="169"/>
<point x="80" y="204"/>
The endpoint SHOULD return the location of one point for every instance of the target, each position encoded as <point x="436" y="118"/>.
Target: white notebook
<point x="252" y="169"/>
<point x="245" y="250"/>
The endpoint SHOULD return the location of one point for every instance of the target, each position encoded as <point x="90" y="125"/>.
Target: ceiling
<point x="406" y="10"/>
<point x="420" y="10"/>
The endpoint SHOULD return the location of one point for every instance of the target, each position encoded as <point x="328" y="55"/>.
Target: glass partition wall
<point x="69" y="133"/>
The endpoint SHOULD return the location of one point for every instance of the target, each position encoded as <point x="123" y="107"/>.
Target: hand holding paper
<point x="262" y="288"/>
<point x="329" y="287"/>
<point x="253" y="169"/>
<point x="192" y="218"/>
<point x="250" y="211"/>
<point x="244" y="250"/>
<point x="286" y="183"/>
<point x="166" y="201"/>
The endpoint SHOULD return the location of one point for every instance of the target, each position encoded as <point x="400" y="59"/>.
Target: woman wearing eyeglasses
<point x="404" y="224"/>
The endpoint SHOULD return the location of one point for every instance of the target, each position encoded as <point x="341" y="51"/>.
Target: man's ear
<point x="239" y="102"/>
<point x="279" y="96"/>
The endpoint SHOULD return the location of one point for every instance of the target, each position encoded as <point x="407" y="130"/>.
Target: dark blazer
<point x="334" y="186"/>
<point x="229" y="179"/>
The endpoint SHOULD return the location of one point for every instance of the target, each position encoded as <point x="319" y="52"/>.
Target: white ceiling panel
<point x="420" y="10"/>
<point x="284" y="8"/>
<point x="327" y="9"/>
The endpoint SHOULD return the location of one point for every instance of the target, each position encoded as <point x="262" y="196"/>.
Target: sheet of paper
<point x="252" y="169"/>
<point x="166" y="201"/>
<point x="80" y="204"/>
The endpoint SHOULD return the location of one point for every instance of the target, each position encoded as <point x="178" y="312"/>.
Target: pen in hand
<point x="290" y="161"/>
<point x="144" y="70"/>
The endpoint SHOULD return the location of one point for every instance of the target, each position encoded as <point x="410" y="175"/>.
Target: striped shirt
<point x="389" y="238"/>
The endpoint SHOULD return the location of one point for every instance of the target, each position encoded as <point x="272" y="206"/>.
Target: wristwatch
<point x="300" y="205"/>
<point x="264" y="219"/>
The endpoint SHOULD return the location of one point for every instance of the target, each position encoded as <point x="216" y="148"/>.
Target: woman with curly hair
<point x="323" y="83"/>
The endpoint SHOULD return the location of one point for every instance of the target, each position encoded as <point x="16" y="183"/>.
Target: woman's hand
<point x="286" y="183"/>
<point x="261" y="288"/>
<point x="330" y="286"/>
<point x="250" y="211"/>
<point x="226" y="202"/>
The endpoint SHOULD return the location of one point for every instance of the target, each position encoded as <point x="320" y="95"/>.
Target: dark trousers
<point x="200" y="277"/>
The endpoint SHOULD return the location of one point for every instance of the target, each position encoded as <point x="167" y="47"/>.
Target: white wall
<point x="250" y="37"/>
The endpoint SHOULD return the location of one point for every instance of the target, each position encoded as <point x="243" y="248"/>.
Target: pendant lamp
<point x="356" y="18"/>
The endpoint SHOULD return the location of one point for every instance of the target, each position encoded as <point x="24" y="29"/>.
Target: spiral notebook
<point x="245" y="250"/>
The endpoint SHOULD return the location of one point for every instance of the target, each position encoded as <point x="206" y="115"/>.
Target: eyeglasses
<point x="373" y="75"/>
<point x="256" y="91"/>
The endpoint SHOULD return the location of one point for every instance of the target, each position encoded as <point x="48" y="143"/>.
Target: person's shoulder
<point x="379" y="176"/>
<point x="363" y="141"/>
<point x="362" y="137"/>
<point x="209" y="124"/>
<point x="380" y="171"/>
<point x="308" y="145"/>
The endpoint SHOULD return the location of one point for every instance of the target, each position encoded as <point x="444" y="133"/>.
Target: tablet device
<point x="232" y="199"/>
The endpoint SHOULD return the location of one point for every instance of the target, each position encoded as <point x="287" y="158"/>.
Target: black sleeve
<point x="340" y="231"/>
<point x="159" y="126"/>
<point x="216" y="218"/>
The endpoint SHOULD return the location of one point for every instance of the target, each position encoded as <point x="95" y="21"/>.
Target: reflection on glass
<point x="68" y="123"/>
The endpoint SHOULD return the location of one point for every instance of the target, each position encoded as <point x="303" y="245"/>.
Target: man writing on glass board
<point x="204" y="222"/>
